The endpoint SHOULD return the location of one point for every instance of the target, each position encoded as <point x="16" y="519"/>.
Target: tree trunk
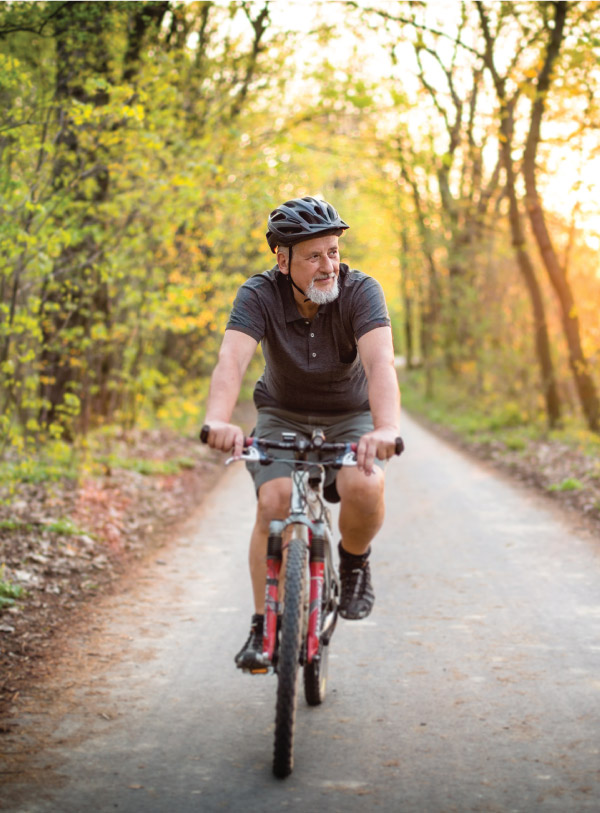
<point x="407" y="303"/>
<point x="430" y="301"/>
<point x="580" y="368"/>
<point x="541" y="338"/>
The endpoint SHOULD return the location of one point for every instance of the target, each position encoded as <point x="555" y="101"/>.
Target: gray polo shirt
<point x="311" y="366"/>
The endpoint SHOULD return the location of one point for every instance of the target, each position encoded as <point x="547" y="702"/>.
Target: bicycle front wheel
<point x="289" y="658"/>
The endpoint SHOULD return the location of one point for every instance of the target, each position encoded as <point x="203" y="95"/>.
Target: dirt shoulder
<point x="63" y="544"/>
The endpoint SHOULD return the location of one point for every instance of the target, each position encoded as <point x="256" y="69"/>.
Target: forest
<point x="143" y="144"/>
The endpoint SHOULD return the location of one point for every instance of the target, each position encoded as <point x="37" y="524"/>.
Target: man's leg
<point x="361" y="516"/>
<point x="361" y="508"/>
<point x="273" y="503"/>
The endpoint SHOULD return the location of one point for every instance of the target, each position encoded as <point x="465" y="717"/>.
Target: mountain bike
<point x="300" y="619"/>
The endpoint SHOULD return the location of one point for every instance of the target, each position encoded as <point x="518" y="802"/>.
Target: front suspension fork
<point x="274" y="551"/>
<point x="315" y="608"/>
<point x="317" y="575"/>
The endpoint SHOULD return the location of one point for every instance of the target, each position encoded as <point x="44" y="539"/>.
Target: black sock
<point x="353" y="558"/>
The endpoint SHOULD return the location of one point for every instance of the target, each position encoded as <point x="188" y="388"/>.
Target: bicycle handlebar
<point x="316" y="444"/>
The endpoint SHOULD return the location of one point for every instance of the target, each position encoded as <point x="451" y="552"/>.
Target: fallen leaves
<point x="62" y="542"/>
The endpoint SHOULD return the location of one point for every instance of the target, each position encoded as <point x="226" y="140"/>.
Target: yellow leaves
<point x="57" y="242"/>
<point x="8" y="61"/>
<point x="180" y="324"/>
<point x="32" y="425"/>
<point x="81" y="113"/>
<point x="183" y="180"/>
<point x="136" y="112"/>
<point x="99" y="332"/>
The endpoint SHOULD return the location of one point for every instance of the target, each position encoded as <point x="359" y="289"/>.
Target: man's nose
<point x="326" y="264"/>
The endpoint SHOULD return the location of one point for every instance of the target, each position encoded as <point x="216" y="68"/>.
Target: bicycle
<point x="298" y="626"/>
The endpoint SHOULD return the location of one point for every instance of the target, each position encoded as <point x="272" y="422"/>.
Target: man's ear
<point x="282" y="262"/>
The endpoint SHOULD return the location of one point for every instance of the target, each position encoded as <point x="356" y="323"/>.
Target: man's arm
<point x="377" y="355"/>
<point x="236" y="351"/>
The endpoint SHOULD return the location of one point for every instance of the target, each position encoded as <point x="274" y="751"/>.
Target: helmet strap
<point x="297" y="287"/>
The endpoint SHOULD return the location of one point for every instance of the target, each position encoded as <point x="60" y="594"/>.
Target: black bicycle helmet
<point x="302" y="219"/>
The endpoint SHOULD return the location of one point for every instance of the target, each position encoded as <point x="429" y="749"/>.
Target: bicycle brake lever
<point x="249" y="453"/>
<point x="348" y="459"/>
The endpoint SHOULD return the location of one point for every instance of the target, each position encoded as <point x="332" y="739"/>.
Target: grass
<point x="14" y="525"/>
<point x="568" y="484"/>
<point x="147" y="466"/>
<point x="63" y="526"/>
<point x="491" y="418"/>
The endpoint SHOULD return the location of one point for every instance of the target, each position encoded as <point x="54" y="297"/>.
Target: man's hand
<point x="226" y="437"/>
<point x="379" y="443"/>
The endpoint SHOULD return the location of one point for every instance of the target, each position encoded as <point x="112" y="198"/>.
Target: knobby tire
<point x="289" y="659"/>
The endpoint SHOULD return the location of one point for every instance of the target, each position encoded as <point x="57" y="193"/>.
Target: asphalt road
<point x="474" y="685"/>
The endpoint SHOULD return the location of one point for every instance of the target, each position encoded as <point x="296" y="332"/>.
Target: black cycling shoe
<point x="357" y="597"/>
<point x="250" y="655"/>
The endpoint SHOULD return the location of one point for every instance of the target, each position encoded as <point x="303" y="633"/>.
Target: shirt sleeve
<point x="247" y="315"/>
<point x="369" y="307"/>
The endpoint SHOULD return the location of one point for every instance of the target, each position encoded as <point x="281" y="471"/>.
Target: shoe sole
<point x="354" y="616"/>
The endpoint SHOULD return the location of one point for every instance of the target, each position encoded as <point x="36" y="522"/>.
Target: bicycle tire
<point x="289" y="658"/>
<point x="316" y="672"/>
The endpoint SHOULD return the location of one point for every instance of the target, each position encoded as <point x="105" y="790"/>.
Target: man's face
<point x="315" y="267"/>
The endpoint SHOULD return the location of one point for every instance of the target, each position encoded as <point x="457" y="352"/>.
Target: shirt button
<point x="312" y="335"/>
<point x="307" y="322"/>
<point x="314" y="355"/>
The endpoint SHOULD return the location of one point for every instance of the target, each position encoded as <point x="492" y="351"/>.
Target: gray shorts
<point x="272" y="422"/>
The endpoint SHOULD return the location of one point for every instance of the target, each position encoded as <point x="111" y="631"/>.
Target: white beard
<point x="320" y="297"/>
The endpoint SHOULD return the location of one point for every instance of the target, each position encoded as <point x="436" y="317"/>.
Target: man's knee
<point x="364" y="493"/>
<point x="274" y="499"/>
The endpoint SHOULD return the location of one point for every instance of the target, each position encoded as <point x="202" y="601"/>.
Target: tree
<point x="588" y="396"/>
<point x="507" y="126"/>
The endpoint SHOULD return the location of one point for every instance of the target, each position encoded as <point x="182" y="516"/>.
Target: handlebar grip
<point x="204" y="433"/>
<point x="399" y="446"/>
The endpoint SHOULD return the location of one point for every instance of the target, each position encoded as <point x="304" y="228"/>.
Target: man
<point x="329" y="362"/>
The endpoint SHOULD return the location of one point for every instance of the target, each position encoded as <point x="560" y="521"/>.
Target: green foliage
<point x="139" y="155"/>
<point x="14" y="525"/>
<point x="490" y="420"/>
<point x="56" y="460"/>
<point x="568" y="484"/>
<point x="64" y="527"/>
<point x="148" y="467"/>
<point x="9" y="592"/>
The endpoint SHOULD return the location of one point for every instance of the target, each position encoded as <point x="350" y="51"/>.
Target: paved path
<point x="474" y="686"/>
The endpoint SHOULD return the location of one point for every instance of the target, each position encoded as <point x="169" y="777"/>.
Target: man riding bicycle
<point x="329" y="363"/>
